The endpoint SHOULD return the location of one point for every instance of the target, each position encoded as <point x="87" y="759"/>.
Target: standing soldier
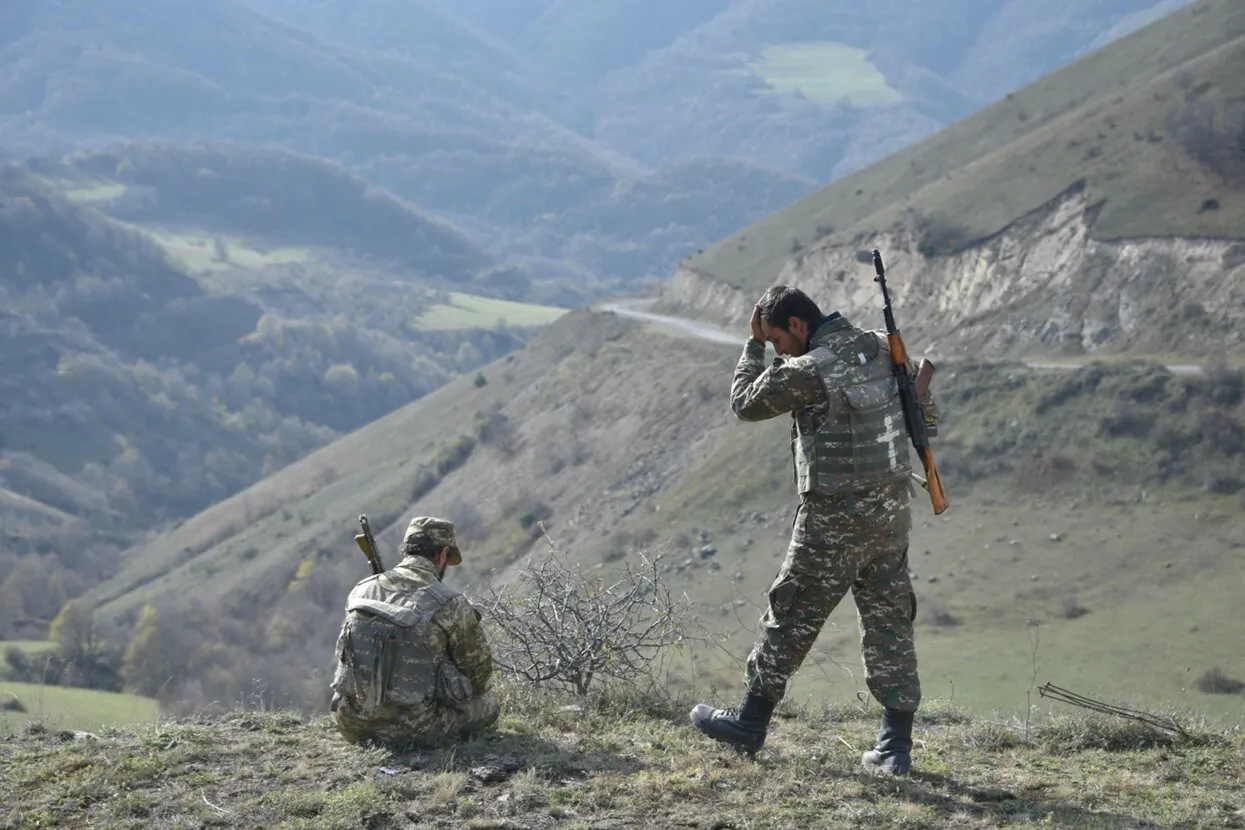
<point x="413" y="663"/>
<point x="852" y="469"/>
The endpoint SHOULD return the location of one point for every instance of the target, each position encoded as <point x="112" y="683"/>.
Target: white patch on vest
<point x="888" y="438"/>
<point x="863" y="359"/>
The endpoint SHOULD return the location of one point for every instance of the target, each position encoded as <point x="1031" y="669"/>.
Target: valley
<point x="402" y="281"/>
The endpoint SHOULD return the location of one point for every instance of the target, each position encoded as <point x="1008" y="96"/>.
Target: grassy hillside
<point x="821" y="89"/>
<point x="1151" y="124"/>
<point x="382" y="468"/>
<point x="463" y="311"/>
<point x="31" y="705"/>
<point x="617" y="437"/>
<point x="619" y="764"/>
<point x="283" y="198"/>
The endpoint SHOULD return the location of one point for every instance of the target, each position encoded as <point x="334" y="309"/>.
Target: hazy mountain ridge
<point x="163" y="393"/>
<point x="490" y="116"/>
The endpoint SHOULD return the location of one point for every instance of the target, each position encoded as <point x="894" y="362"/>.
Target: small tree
<point x="553" y="623"/>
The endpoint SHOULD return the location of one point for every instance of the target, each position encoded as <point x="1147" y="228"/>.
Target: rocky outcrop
<point x="1042" y="286"/>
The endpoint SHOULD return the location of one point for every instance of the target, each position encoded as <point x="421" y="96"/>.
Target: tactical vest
<point x="858" y="438"/>
<point x="386" y="653"/>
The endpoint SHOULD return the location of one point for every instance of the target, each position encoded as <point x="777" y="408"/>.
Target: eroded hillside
<point x="1042" y="287"/>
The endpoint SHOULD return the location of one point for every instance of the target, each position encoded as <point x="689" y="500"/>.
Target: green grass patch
<point x="31" y="647"/>
<point x="825" y="72"/>
<point x="198" y="251"/>
<point x="467" y="311"/>
<point x="60" y="707"/>
<point x="85" y="189"/>
<point x="99" y="192"/>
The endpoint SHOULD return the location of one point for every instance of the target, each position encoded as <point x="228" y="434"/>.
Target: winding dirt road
<point x="636" y="308"/>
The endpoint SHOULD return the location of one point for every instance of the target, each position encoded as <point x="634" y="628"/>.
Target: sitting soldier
<point x="413" y="663"/>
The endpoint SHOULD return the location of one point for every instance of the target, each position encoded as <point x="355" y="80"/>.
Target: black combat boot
<point x="743" y="728"/>
<point x="893" y="752"/>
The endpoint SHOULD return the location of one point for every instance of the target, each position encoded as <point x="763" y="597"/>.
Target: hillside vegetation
<point x="283" y="198"/>
<point x="622" y="763"/>
<point x="615" y="438"/>
<point x="1150" y="126"/>
<point x="134" y="394"/>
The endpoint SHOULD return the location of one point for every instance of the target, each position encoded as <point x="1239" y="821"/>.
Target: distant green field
<point x="59" y="707"/>
<point x="95" y="193"/>
<point x="825" y="72"/>
<point x="28" y="646"/>
<point x="85" y="189"/>
<point x="466" y="311"/>
<point x="197" y="251"/>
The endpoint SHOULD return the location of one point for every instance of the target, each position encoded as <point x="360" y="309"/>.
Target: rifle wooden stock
<point x="367" y="544"/>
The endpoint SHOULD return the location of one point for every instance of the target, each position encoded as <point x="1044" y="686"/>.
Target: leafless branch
<point x="553" y="623"/>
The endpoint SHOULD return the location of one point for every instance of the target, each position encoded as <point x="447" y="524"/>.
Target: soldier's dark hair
<point x="421" y="547"/>
<point x="782" y="302"/>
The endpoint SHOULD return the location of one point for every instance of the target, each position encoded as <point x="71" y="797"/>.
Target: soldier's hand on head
<point x="757" y="333"/>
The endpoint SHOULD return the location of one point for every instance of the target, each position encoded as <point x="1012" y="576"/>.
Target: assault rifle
<point x="367" y="544"/>
<point x="910" y="392"/>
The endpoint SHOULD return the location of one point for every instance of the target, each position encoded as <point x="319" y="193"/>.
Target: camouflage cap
<point x="438" y="532"/>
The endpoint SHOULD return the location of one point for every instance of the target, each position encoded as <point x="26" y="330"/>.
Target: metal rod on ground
<point x="1064" y="696"/>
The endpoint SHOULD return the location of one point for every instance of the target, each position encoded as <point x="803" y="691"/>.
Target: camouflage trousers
<point x="858" y="543"/>
<point x="436" y="724"/>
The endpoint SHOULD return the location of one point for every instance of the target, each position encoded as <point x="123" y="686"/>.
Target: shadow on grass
<point x="496" y="756"/>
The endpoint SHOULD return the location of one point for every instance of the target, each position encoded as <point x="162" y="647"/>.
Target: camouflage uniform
<point x="852" y="524"/>
<point x="413" y="663"/>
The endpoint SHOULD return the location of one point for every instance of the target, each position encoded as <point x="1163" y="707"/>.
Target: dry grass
<point x="619" y="762"/>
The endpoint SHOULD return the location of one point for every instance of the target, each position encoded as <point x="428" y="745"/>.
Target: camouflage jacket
<point x="409" y="639"/>
<point x="847" y="426"/>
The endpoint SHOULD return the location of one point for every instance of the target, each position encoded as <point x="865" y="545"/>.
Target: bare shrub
<point x="494" y="428"/>
<point x="1223" y="482"/>
<point x="1222" y="433"/>
<point x="1070" y="608"/>
<point x="555" y="624"/>
<point x="1215" y="682"/>
<point x="1125" y="421"/>
<point x="1227" y="385"/>
<point x="939" y="236"/>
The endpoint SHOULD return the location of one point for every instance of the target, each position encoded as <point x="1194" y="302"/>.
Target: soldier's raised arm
<point x="759" y="392"/>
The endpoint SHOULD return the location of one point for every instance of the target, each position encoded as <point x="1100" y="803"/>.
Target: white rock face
<point x="1042" y="286"/>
